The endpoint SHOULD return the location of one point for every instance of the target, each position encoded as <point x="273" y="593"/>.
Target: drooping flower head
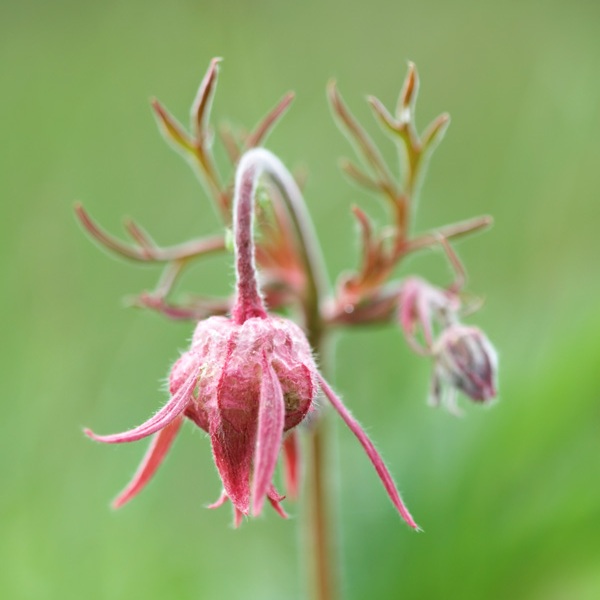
<point x="466" y="360"/>
<point x="255" y="381"/>
<point x="246" y="380"/>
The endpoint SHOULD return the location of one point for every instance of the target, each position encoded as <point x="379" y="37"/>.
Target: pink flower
<point x="247" y="381"/>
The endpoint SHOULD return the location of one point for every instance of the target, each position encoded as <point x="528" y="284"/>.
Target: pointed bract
<point x="201" y="106"/>
<point x="155" y="455"/>
<point x="275" y="500"/>
<point x="408" y="95"/>
<point x="264" y="128"/>
<point x="371" y="451"/>
<point x="171" y="128"/>
<point x="271" y="415"/>
<point x="435" y="132"/>
<point x="291" y="463"/>
<point x="175" y="407"/>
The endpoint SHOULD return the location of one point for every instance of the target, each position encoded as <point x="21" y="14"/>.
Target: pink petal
<point x="372" y="453"/>
<point x="154" y="456"/>
<point x="174" y="407"/>
<point x="291" y="464"/>
<point x="271" y="415"/>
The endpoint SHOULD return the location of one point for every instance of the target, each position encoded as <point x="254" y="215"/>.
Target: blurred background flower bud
<point x="466" y="361"/>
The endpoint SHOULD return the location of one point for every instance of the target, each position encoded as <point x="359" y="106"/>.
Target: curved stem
<point x="252" y="165"/>
<point x="248" y="302"/>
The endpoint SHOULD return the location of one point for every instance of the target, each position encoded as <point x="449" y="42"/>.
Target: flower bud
<point x="258" y="380"/>
<point x="467" y="361"/>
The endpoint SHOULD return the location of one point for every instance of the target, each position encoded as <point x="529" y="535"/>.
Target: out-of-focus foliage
<point x="509" y="497"/>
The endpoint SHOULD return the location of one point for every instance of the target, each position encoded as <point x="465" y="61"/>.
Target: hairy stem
<point x="253" y="164"/>
<point x="248" y="301"/>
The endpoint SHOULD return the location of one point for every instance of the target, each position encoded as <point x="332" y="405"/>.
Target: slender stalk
<point x="248" y="301"/>
<point x="320" y="527"/>
<point x="259" y="161"/>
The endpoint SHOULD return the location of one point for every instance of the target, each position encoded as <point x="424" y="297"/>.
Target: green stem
<point x="321" y="548"/>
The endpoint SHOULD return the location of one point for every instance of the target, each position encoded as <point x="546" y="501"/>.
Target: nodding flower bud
<point x="255" y="381"/>
<point x="245" y="385"/>
<point x="466" y="360"/>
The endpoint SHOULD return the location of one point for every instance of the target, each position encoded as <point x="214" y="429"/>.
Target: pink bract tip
<point x="371" y="451"/>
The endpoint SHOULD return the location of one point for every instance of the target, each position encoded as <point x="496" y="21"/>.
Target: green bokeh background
<point x="509" y="497"/>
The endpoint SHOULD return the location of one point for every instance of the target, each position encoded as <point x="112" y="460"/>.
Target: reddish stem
<point x="248" y="302"/>
<point x="251" y="166"/>
<point x="320" y="527"/>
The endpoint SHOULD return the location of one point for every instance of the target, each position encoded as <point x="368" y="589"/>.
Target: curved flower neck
<point x="248" y="302"/>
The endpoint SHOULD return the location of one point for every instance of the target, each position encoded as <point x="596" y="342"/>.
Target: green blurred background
<point x="509" y="497"/>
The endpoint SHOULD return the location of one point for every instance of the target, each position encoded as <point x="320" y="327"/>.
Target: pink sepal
<point x="291" y="464"/>
<point x="271" y="414"/>
<point x="221" y="500"/>
<point x="174" y="407"/>
<point x="372" y="453"/>
<point x="275" y="498"/>
<point x="154" y="456"/>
